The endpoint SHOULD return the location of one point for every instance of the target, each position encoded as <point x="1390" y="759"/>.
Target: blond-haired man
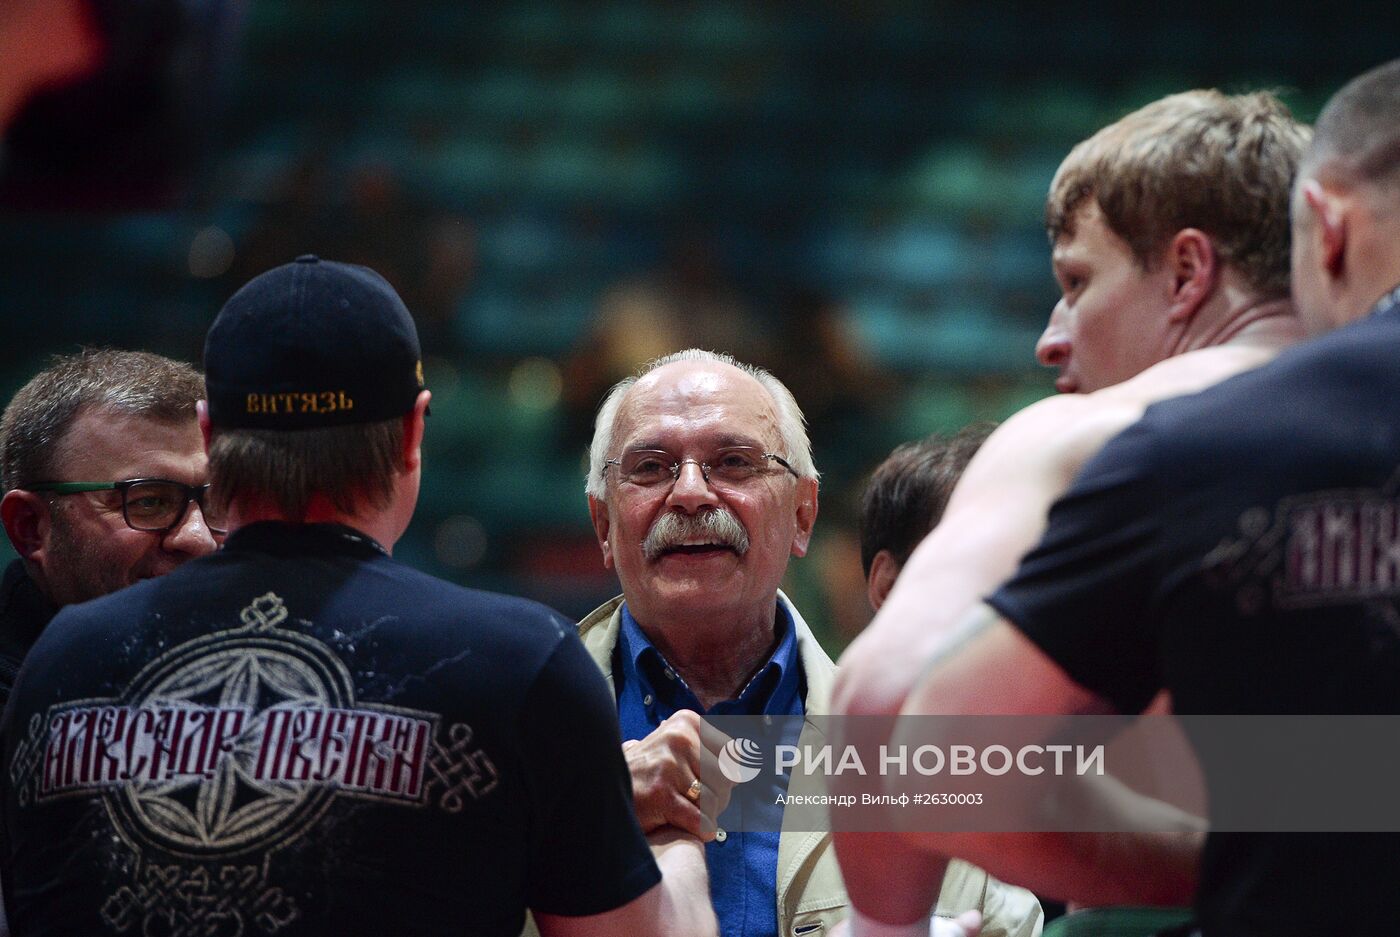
<point x="1235" y="547"/>
<point x="1170" y="246"/>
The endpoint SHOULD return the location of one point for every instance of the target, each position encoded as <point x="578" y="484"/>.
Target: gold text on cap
<point x="326" y="401"/>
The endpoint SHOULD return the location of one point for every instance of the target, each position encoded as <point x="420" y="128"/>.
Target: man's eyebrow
<point x="645" y="445"/>
<point x="729" y="440"/>
<point x="723" y="441"/>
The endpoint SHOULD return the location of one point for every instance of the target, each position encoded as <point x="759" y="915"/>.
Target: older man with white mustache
<point x="701" y="487"/>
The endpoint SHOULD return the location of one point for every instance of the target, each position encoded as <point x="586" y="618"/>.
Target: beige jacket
<point x="811" y="896"/>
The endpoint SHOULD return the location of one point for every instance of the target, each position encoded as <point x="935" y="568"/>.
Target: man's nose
<point x="1053" y="348"/>
<point x="191" y="536"/>
<point x="691" y="491"/>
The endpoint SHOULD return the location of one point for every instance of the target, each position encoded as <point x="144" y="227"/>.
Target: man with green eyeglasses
<point x="101" y="459"/>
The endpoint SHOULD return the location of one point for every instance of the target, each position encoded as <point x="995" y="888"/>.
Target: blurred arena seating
<point x="849" y="193"/>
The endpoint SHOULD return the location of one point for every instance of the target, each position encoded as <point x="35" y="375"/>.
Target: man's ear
<point x="26" y="517"/>
<point x="206" y="429"/>
<point x="806" y="515"/>
<point x="1329" y="229"/>
<point x="414" y="424"/>
<point x="884" y="569"/>
<point x="598" y="512"/>
<point x="1195" y="268"/>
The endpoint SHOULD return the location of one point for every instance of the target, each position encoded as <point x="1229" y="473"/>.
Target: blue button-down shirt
<point x="743" y="867"/>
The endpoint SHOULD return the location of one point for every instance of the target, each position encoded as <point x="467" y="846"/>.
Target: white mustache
<point x="716" y="525"/>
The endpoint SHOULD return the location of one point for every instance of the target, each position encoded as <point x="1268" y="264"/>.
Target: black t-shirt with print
<point x="24" y="611"/>
<point x="300" y="736"/>
<point x="1241" y="548"/>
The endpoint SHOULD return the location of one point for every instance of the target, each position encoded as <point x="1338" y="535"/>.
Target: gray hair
<point x="791" y="424"/>
<point x="35" y="426"/>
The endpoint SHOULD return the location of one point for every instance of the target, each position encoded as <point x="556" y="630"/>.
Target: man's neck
<point x="1370" y="265"/>
<point x="377" y="524"/>
<point x="1367" y="287"/>
<point x="1236" y="317"/>
<point x="716" y="661"/>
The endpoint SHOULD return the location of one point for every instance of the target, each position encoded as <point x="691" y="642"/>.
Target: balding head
<point x="1357" y="135"/>
<point x="1346" y="206"/>
<point x="791" y="425"/>
<point x="693" y="496"/>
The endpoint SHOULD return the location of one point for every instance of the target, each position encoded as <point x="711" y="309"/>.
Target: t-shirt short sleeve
<point x="1084" y="595"/>
<point x="587" y="853"/>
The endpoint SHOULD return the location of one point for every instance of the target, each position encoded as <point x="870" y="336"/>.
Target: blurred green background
<point x="847" y="193"/>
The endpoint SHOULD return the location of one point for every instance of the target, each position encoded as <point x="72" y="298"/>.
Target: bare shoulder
<point x="1124" y="404"/>
<point x="1185" y="374"/>
<point x="1052" y="439"/>
<point x="1045" y="443"/>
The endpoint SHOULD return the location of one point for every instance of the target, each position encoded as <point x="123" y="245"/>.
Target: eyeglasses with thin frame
<point x="151" y="505"/>
<point x="731" y="467"/>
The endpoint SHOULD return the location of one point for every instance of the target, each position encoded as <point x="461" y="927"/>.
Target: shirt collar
<point x="1387" y="302"/>
<point x="24" y="608"/>
<point x="773" y="685"/>
<point x="280" y="538"/>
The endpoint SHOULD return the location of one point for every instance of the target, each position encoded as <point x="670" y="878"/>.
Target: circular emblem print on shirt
<point x="235" y="741"/>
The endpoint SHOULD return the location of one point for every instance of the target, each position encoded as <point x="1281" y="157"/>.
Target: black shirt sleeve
<point x="587" y="854"/>
<point x="1085" y="594"/>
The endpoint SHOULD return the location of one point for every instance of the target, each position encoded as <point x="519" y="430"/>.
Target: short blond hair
<point x="1223" y="164"/>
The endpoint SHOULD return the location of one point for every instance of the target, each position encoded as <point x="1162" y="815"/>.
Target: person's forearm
<point x="1153" y="859"/>
<point x="1141" y="868"/>
<point x="1087" y="868"/>
<point x="1156" y="860"/>
<point x="685" y="909"/>
<point x="888" y="879"/>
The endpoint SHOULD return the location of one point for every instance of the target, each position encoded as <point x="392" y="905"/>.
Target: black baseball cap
<point x="311" y="344"/>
